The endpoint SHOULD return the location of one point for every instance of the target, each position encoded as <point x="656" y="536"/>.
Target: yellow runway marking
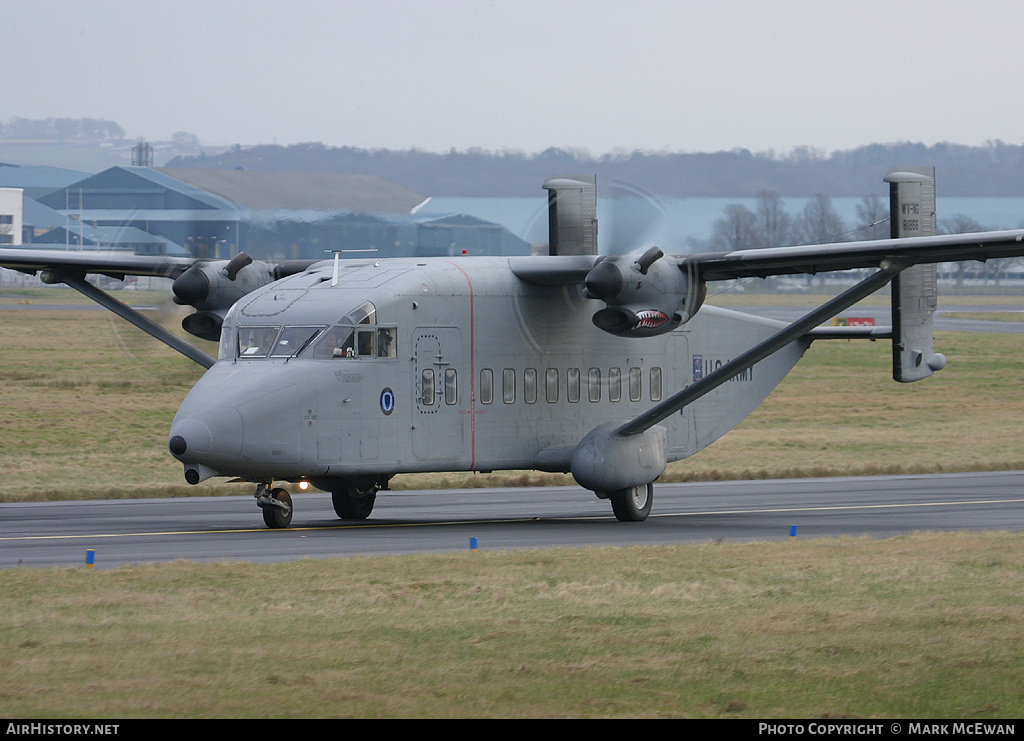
<point x="363" y="526"/>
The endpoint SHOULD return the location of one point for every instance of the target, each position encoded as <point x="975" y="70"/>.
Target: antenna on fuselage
<point x="337" y="266"/>
<point x="337" y="263"/>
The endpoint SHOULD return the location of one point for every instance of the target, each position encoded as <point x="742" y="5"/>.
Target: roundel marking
<point x="387" y="401"/>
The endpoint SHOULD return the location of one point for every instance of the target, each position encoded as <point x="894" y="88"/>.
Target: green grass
<point x="986" y="316"/>
<point x="924" y="626"/>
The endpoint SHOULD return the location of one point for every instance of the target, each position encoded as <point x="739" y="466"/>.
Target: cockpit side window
<point x="366" y="345"/>
<point x="387" y="344"/>
<point x="355" y="342"/>
<point x="365" y="313"/>
<point x="336" y="342"/>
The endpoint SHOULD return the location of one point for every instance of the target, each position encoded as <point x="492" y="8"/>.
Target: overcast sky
<point x="604" y="76"/>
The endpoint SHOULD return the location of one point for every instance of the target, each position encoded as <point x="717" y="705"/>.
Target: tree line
<point x="993" y="169"/>
<point x="769" y="224"/>
<point x="61" y="129"/>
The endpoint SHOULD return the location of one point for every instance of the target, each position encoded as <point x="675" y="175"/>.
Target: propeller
<point x="213" y="286"/>
<point x="645" y="294"/>
<point x="630" y="218"/>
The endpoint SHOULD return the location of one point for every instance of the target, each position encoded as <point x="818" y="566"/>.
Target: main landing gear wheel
<point x="354" y="504"/>
<point x="278" y="513"/>
<point x="632" y="504"/>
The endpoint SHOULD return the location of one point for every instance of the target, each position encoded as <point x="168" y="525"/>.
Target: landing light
<point x="303" y="485"/>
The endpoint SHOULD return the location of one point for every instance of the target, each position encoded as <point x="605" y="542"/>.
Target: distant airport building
<point x="11" y="210"/>
<point x="269" y="215"/>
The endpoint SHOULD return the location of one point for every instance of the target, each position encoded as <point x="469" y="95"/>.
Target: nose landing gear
<point x="276" y="506"/>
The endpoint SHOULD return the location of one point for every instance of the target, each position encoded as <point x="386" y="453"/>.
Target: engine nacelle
<point x="645" y="295"/>
<point x="213" y="287"/>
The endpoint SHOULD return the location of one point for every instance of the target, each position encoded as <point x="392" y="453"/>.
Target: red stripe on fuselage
<point x="472" y="368"/>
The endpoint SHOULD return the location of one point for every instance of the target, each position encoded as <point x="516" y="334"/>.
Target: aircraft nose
<point x="190" y="438"/>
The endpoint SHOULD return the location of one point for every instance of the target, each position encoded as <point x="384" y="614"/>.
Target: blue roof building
<point x="122" y="203"/>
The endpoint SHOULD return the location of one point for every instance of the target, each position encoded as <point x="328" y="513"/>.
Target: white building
<point x="11" y="208"/>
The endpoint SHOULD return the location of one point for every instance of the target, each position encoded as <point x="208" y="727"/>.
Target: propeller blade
<point x="236" y="263"/>
<point x="629" y="218"/>
<point x="644" y="262"/>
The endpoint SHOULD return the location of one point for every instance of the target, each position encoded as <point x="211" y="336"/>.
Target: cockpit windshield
<point x="255" y="342"/>
<point x="293" y="340"/>
<point x="357" y="336"/>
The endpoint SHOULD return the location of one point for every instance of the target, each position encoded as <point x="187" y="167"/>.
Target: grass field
<point x="924" y="626"/>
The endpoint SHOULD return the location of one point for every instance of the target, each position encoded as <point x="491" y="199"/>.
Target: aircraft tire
<point x="633" y="504"/>
<point x="353" y="504"/>
<point x="276" y="517"/>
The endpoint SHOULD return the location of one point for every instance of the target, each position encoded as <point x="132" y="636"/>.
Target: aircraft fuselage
<point x="444" y="364"/>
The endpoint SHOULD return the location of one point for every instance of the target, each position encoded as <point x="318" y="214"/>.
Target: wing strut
<point x="888" y="270"/>
<point x="80" y="284"/>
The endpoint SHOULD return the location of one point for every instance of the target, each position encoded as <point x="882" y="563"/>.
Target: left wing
<point x="209" y="286"/>
<point x="79" y="262"/>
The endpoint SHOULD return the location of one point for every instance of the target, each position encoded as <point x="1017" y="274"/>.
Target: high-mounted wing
<point x="646" y="290"/>
<point x="210" y="286"/>
<point x="80" y="262"/>
<point x="819" y="258"/>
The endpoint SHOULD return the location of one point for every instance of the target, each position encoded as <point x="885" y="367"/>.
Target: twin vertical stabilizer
<point x="914" y="290"/>
<point x="572" y="215"/>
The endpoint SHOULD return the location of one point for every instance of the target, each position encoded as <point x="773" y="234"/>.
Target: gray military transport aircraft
<point x="343" y="372"/>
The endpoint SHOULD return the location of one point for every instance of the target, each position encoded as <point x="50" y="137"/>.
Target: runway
<point x="944" y="319"/>
<point x="47" y="534"/>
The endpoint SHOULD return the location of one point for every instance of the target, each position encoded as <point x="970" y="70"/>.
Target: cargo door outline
<point x="440" y="390"/>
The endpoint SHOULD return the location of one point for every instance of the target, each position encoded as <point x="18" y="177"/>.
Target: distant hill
<point x="290" y="190"/>
<point x="996" y="169"/>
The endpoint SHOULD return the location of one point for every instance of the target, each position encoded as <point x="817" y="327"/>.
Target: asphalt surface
<point x="231" y="528"/>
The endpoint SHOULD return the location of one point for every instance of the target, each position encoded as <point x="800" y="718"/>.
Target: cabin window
<point x="572" y="385"/>
<point x="551" y="385"/>
<point x="655" y="384"/>
<point x="486" y="386"/>
<point x="255" y="342"/>
<point x="293" y="340"/>
<point x="427" y="387"/>
<point x="635" y="384"/>
<point x="451" y="386"/>
<point x="614" y="384"/>
<point x="530" y="385"/>
<point x="594" y="384"/>
<point x="508" y="385"/>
